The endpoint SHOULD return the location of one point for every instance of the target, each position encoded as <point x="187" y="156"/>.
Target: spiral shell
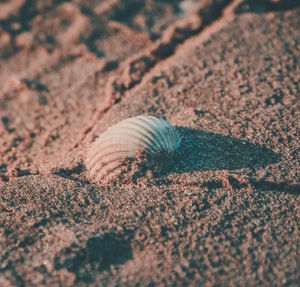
<point x="124" y="140"/>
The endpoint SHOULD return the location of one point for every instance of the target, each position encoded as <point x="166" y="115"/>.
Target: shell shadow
<point x="265" y="6"/>
<point x="201" y="151"/>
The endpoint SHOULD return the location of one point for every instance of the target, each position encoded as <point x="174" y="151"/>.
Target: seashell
<point x="126" y="139"/>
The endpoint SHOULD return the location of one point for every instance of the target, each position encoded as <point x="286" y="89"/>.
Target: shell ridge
<point x="109" y="157"/>
<point x="153" y="132"/>
<point x="164" y="129"/>
<point x="151" y="129"/>
<point x="97" y="148"/>
<point x="117" y="135"/>
<point x="167" y="136"/>
<point x="150" y="135"/>
<point x="156" y="135"/>
<point x="143" y="131"/>
<point x="105" y="169"/>
<point x="109" y="170"/>
<point x="160" y="128"/>
<point x="170" y="133"/>
<point x="101" y="148"/>
<point x="102" y="156"/>
<point x="103" y="165"/>
<point x="126" y="139"/>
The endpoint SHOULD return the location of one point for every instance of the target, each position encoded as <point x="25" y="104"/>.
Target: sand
<point x="222" y="210"/>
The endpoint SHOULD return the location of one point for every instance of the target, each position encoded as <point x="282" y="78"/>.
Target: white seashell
<point x="126" y="140"/>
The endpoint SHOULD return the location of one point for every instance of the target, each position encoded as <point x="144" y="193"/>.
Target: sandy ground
<point x="222" y="210"/>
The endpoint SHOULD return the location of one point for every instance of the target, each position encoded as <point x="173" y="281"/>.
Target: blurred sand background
<point x="223" y="210"/>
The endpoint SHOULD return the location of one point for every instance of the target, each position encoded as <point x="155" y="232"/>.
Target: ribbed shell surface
<point x="124" y="140"/>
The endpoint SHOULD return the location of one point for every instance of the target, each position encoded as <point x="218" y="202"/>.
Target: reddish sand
<point x="222" y="210"/>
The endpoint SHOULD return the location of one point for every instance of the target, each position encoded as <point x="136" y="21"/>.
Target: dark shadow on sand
<point x="200" y="151"/>
<point x="98" y="254"/>
<point x="265" y="6"/>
